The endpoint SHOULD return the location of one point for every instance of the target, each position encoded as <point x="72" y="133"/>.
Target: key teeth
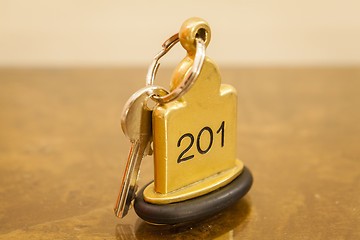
<point x="135" y="190"/>
<point x="118" y="213"/>
<point x="149" y="150"/>
<point x="121" y="214"/>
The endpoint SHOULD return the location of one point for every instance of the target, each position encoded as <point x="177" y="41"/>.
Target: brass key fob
<point x="196" y="173"/>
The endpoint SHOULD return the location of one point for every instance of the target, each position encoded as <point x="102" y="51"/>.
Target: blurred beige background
<point x="129" y="33"/>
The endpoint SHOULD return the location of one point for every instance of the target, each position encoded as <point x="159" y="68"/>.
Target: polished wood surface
<point x="62" y="154"/>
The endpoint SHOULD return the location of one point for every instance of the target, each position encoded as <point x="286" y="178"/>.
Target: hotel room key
<point x="137" y="126"/>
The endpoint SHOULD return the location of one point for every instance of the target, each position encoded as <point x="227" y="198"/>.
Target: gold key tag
<point x="194" y="135"/>
<point x="194" y="138"/>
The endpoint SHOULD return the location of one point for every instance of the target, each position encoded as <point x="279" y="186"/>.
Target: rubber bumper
<point x="197" y="208"/>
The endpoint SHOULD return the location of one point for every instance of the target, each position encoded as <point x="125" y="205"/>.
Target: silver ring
<point x="190" y="77"/>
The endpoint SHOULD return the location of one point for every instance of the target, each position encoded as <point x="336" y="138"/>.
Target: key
<point x="136" y="123"/>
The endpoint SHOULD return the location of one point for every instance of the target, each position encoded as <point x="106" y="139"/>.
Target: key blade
<point x="128" y="185"/>
<point x="137" y="126"/>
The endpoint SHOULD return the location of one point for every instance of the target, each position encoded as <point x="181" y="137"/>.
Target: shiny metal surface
<point x="136" y="122"/>
<point x="194" y="189"/>
<point x="190" y="78"/>
<point x="154" y="66"/>
<point x="136" y="115"/>
<point x="189" y="33"/>
<point x="194" y="134"/>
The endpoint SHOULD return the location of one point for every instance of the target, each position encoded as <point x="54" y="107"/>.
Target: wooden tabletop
<point x="62" y="154"/>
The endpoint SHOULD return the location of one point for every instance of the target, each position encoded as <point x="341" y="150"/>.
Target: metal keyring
<point x="190" y="77"/>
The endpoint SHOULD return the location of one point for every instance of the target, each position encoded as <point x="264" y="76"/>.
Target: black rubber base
<point x="196" y="208"/>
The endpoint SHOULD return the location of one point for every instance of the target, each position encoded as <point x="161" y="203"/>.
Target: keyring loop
<point x="190" y="77"/>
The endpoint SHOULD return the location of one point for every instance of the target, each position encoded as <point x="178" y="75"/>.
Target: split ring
<point x="190" y="77"/>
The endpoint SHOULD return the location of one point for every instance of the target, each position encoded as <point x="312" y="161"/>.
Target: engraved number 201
<point x="183" y="158"/>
